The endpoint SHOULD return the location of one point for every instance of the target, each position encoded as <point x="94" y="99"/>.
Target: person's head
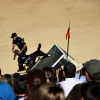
<point x="20" y="85"/>
<point x="35" y="78"/>
<point x="14" y="36"/>
<point x="15" y="75"/>
<point x="61" y="75"/>
<point x="0" y="71"/>
<point x="48" y="72"/>
<point x="92" y="69"/>
<point x="54" y="72"/>
<point x="50" y="91"/>
<point x="69" y="69"/>
<point x="0" y="74"/>
<point x="7" y="78"/>
<point x="90" y="91"/>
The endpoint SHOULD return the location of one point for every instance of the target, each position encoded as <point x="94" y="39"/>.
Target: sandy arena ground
<point x="46" y="22"/>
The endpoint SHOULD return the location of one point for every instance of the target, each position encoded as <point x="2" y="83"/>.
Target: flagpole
<point x="68" y="39"/>
<point x="67" y="47"/>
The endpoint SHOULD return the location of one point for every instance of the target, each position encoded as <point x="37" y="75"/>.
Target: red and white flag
<point x="68" y="33"/>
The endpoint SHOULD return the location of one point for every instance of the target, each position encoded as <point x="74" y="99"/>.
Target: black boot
<point x="21" y="68"/>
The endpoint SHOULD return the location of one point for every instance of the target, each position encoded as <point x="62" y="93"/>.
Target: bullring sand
<point x="46" y="22"/>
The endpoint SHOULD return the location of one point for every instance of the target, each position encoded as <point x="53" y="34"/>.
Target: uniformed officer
<point x="22" y="46"/>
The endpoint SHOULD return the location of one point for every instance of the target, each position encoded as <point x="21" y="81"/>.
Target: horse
<point x="31" y="58"/>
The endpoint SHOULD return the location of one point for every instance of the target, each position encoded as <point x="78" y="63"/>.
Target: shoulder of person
<point x="23" y="98"/>
<point x="19" y="38"/>
<point x="75" y="93"/>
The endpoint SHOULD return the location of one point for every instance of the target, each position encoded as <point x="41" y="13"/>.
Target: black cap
<point x="13" y="35"/>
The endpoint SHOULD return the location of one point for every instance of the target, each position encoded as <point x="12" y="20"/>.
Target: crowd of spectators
<point x="53" y="84"/>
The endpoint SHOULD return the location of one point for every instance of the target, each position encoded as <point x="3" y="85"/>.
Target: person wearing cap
<point x="92" y="73"/>
<point x="22" y="46"/>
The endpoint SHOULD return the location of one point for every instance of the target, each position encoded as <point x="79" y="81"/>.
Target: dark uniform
<point x="20" y="43"/>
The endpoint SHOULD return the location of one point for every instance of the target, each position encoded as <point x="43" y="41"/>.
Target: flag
<point x="68" y="33"/>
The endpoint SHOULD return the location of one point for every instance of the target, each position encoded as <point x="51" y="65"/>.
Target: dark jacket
<point x="75" y="93"/>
